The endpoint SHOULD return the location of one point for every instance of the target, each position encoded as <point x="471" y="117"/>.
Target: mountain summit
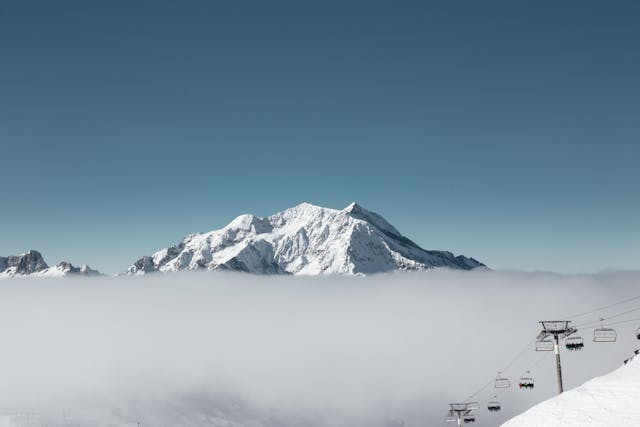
<point x="305" y="239"/>
<point x="32" y="264"/>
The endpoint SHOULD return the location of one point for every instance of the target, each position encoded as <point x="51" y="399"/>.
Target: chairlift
<point x="451" y="417"/>
<point x="638" y="333"/>
<point x="501" y="382"/>
<point x="574" y="343"/>
<point x="468" y="417"/>
<point x="473" y="405"/>
<point x="494" y="405"/>
<point x="526" y="382"/>
<point x="544" y="345"/>
<point x="603" y="334"/>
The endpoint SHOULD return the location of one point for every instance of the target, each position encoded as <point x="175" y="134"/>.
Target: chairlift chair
<point x="501" y="382"/>
<point x="574" y="343"/>
<point x="451" y="417"/>
<point x="544" y="345"/>
<point x="605" y="335"/>
<point x="638" y="333"/>
<point x="494" y="405"/>
<point x="473" y="405"/>
<point x="526" y="382"/>
<point x="468" y="417"/>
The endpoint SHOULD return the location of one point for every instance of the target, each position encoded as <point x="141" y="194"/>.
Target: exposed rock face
<point x="32" y="264"/>
<point x="66" y="268"/>
<point x="305" y="239"/>
<point x="29" y="263"/>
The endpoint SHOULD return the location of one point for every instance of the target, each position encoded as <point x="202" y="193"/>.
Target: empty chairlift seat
<point x="494" y="405"/>
<point x="574" y="343"/>
<point x="544" y="345"/>
<point x="473" y="405"/>
<point x="501" y="382"/>
<point x="526" y="382"/>
<point x="604" y="335"/>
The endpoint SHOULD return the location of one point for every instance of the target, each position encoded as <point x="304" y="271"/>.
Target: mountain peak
<point x="352" y="206"/>
<point x="32" y="264"/>
<point x="304" y="239"/>
<point x="23" y="264"/>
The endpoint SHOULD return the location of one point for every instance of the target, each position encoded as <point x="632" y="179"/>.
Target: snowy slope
<point x="610" y="400"/>
<point x="32" y="264"/>
<point x="305" y="239"/>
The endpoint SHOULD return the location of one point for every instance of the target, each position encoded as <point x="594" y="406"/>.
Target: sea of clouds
<point x="215" y="349"/>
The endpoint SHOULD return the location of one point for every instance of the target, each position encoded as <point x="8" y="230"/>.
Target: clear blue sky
<point x="507" y="131"/>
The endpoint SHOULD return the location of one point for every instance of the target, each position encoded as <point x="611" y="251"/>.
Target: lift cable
<point x="542" y="357"/>
<point x="607" y="318"/>
<point x="481" y="389"/>
<point x="620" y="322"/>
<point x="523" y="351"/>
<point x="509" y="365"/>
<point x="586" y="325"/>
<point x="603" y="307"/>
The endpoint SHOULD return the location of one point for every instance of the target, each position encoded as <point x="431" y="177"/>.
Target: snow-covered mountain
<point x="305" y="239"/>
<point x="610" y="400"/>
<point x="33" y="264"/>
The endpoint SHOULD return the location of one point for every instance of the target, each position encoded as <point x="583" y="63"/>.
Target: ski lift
<point x="501" y="382"/>
<point x="451" y="417"/>
<point x="603" y="334"/>
<point x="574" y="343"/>
<point x="544" y="345"/>
<point x="638" y="333"/>
<point x="494" y="405"/>
<point x="473" y="405"/>
<point x="526" y="382"/>
<point x="468" y="417"/>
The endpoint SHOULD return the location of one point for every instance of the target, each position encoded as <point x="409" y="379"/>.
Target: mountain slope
<point x="610" y="400"/>
<point x="305" y="239"/>
<point x="33" y="264"/>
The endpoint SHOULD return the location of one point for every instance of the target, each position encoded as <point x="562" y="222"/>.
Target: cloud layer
<point x="218" y="349"/>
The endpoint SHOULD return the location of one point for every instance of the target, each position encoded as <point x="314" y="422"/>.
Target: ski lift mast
<point x="557" y="329"/>
<point x="461" y="412"/>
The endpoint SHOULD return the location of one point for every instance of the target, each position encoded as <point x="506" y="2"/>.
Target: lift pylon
<point x="558" y="329"/>
<point x="461" y="412"/>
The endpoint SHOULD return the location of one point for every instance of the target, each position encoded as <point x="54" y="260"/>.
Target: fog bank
<point x="233" y="349"/>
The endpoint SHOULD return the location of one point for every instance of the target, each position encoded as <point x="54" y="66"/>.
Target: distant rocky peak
<point x="27" y="263"/>
<point x="32" y="264"/>
<point x="68" y="268"/>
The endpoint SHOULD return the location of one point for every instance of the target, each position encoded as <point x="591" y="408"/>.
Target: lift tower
<point x="558" y="329"/>
<point x="461" y="412"/>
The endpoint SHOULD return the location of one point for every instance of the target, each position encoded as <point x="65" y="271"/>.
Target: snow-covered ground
<point x="612" y="400"/>
<point x="202" y="349"/>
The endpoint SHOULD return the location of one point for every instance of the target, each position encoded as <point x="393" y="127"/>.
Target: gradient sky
<point x="507" y="131"/>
